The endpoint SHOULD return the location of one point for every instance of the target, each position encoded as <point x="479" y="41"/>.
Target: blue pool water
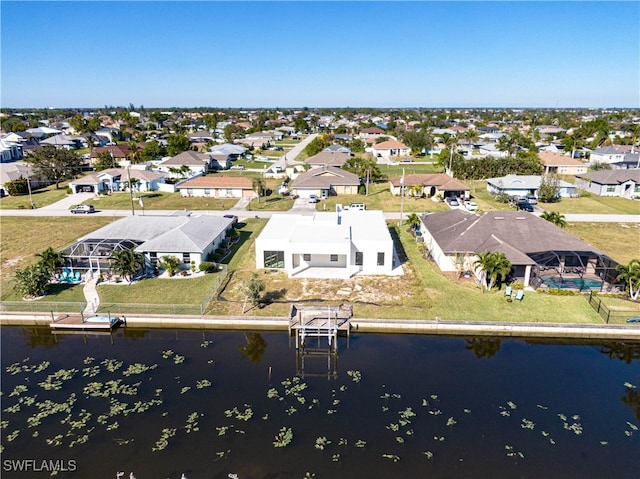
<point x="571" y="283"/>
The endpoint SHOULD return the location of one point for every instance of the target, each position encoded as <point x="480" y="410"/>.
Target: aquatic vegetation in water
<point x="138" y="368"/>
<point x="336" y="457"/>
<point x="177" y="359"/>
<point x="222" y="430"/>
<point x="360" y="443"/>
<point x="222" y="454"/>
<point x="192" y="422"/>
<point x="88" y="360"/>
<point x="241" y="415"/>
<point x="392" y="457"/>
<point x="185" y="389"/>
<point x="322" y="442"/>
<point x="205" y="344"/>
<point x="90" y="371"/>
<point x="163" y="442"/>
<point x="356" y="376"/>
<point x="167" y="354"/>
<point x="526" y="424"/>
<point x="428" y="454"/>
<point x="511" y="452"/>
<point x="203" y="383"/>
<point x="283" y="438"/>
<point x="111" y="365"/>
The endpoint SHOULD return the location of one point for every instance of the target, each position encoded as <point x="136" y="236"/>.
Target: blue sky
<point x="320" y="54"/>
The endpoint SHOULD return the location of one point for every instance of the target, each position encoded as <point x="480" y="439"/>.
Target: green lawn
<point x="160" y="200"/>
<point x="41" y="197"/>
<point x="621" y="241"/>
<point x="178" y="290"/>
<point x="485" y="200"/>
<point x="380" y="198"/>
<point x="595" y="205"/>
<point x="21" y="238"/>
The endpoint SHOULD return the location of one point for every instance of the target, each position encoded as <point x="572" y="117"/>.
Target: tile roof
<point x="221" y="181"/>
<point x="389" y="144"/>
<point x="442" y="181"/>
<point x="555" y="159"/>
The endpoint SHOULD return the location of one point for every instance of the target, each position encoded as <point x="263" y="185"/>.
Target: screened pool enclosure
<point x="95" y="253"/>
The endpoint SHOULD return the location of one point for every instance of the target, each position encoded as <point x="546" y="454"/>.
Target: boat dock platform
<point x="319" y="321"/>
<point x="77" y="322"/>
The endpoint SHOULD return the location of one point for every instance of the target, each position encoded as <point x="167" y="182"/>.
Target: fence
<point x="41" y="307"/>
<point x="609" y="315"/>
<point x="194" y="309"/>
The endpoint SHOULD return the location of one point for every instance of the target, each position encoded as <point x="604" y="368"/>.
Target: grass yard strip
<point x="594" y="204"/>
<point x="41" y="197"/>
<point x="21" y="238"/>
<point x="621" y="241"/>
<point x="159" y="200"/>
<point x="178" y="290"/>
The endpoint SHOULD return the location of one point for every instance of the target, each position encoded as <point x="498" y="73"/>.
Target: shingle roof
<point x="172" y="234"/>
<point x="325" y="177"/>
<point x="516" y="234"/>
<point x="612" y="177"/>
<point x="328" y="158"/>
<point x="216" y="181"/>
<point x="440" y="180"/>
<point x="187" y="158"/>
<point x="529" y="182"/>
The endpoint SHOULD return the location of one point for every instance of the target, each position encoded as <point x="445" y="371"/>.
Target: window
<point x="207" y="192"/>
<point x="359" y="258"/>
<point x="229" y="192"/>
<point x="380" y="259"/>
<point x="189" y="191"/>
<point x="153" y="256"/>
<point x="306" y="257"/>
<point x="611" y="188"/>
<point x="274" y="259"/>
<point x="186" y="258"/>
<point x="334" y="258"/>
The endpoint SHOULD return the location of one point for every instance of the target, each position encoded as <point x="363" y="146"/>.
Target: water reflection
<point x="254" y="348"/>
<point x="483" y="347"/>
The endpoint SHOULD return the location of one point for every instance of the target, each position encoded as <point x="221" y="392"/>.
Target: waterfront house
<point x="327" y="245"/>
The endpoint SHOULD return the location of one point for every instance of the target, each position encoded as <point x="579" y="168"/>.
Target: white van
<point x="357" y="206"/>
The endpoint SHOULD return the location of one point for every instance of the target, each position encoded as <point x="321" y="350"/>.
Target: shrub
<point x="68" y="190"/>
<point x="561" y="292"/>
<point x="205" y="267"/>
<point x="362" y="190"/>
<point x="584" y="194"/>
<point x="502" y="197"/>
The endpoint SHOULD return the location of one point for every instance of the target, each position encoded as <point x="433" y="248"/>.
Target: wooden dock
<point x="77" y="322"/>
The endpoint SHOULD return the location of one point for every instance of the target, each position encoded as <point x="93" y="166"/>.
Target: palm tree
<point x="573" y="142"/>
<point x="415" y="190"/>
<point x="413" y="220"/>
<point x="554" y="217"/>
<point x="449" y="141"/>
<point x="50" y="260"/>
<point x="126" y="263"/>
<point x="472" y="136"/>
<point x="171" y="264"/>
<point x="258" y="186"/>
<point x="492" y="264"/>
<point x="630" y="274"/>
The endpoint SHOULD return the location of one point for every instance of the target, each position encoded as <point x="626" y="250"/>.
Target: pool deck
<point x="629" y="332"/>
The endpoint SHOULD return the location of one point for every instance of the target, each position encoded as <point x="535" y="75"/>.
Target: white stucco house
<point x="328" y="245"/>
<point x="524" y="185"/>
<point x="623" y="183"/>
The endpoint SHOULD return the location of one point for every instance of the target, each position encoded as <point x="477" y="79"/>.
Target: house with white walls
<point x="335" y="245"/>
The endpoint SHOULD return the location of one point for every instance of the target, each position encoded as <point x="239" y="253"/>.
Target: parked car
<point x="357" y="206"/>
<point x="451" y="201"/>
<point x="532" y="200"/>
<point x="524" y="206"/>
<point x="86" y="209"/>
<point x="313" y="199"/>
<point x="233" y="217"/>
<point x="238" y="167"/>
<point x="471" y="205"/>
<point x="406" y="160"/>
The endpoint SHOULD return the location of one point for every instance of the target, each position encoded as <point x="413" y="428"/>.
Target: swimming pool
<point x="558" y="282"/>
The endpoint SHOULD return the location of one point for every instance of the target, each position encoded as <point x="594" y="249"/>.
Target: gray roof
<point x="607" y="150"/>
<point x="171" y="234"/>
<point x="188" y="158"/>
<point x="523" y="182"/>
<point x="325" y="177"/>
<point x="328" y="158"/>
<point x="516" y="234"/>
<point x="611" y="177"/>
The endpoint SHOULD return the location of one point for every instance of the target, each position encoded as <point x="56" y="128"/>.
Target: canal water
<point x="208" y="404"/>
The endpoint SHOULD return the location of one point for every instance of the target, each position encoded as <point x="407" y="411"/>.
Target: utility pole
<point x="133" y="211"/>
<point x="401" y="197"/>
<point x="33" y="206"/>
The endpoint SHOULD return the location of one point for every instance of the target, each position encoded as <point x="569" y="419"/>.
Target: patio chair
<point x="64" y="277"/>
<point x="507" y="291"/>
<point x="76" y="277"/>
<point x="520" y="295"/>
